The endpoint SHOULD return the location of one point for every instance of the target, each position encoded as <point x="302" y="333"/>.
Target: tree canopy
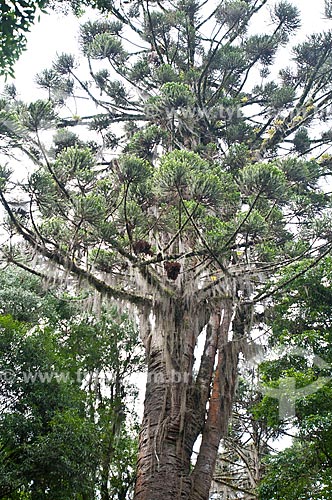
<point x="301" y="330"/>
<point x="284" y="393"/>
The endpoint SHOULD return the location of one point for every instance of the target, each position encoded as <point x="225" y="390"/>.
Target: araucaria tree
<point x="213" y="187"/>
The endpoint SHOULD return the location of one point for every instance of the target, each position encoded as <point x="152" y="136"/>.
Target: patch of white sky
<point x="55" y="34"/>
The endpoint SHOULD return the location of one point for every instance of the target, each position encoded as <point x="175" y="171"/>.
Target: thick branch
<point x="57" y="257"/>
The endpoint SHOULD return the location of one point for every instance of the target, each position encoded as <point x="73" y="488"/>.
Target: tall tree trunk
<point x="176" y="403"/>
<point x="164" y="454"/>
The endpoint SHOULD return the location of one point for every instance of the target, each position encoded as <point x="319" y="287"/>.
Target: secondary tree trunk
<point x="175" y="411"/>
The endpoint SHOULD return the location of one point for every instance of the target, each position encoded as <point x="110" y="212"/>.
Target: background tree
<point x="250" y="466"/>
<point x="16" y="18"/>
<point x="211" y="195"/>
<point x="64" y="427"/>
<point x="240" y="465"/>
<point x="301" y="330"/>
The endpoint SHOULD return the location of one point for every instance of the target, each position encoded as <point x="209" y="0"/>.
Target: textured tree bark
<point x="164" y="455"/>
<point x="176" y="404"/>
<point x="164" y="459"/>
<point x="220" y="407"/>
